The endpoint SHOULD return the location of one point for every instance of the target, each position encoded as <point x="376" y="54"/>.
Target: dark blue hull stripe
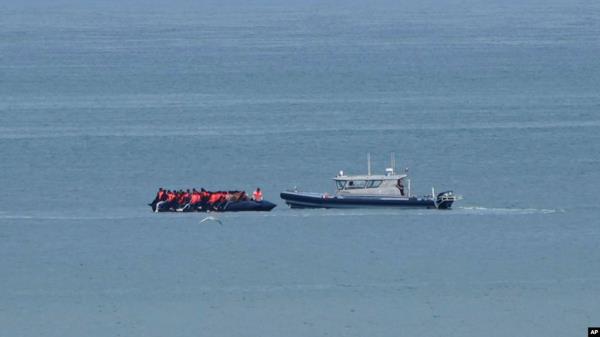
<point x="312" y="201"/>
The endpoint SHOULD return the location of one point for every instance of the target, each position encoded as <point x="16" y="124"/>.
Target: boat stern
<point x="444" y="200"/>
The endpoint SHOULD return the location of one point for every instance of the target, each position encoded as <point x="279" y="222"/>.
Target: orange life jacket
<point x="183" y="197"/>
<point x="171" y="196"/>
<point x="214" y="198"/>
<point x="195" y="198"/>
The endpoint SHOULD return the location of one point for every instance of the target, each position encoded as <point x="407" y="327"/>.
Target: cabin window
<point x="374" y="183"/>
<point x="353" y="184"/>
<point x="340" y="184"/>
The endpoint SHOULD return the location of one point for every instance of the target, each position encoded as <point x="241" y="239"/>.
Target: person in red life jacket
<point x="179" y="200"/>
<point x="168" y="200"/>
<point x="257" y="195"/>
<point x="172" y="199"/>
<point x="159" y="197"/>
<point x="175" y="201"/>
<point x="195" y="199"/>
<point x="185" y="198"/>
<point x="213" y="200"/>
<point x="204" y="196"/>
<point x="185" y="201"/>
<point x="222" y="201"/>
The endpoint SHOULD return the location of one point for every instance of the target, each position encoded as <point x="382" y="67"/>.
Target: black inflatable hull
<point x="315" y="200"/>
<point x="237" y="206"/>
<point x="249" y="206"/>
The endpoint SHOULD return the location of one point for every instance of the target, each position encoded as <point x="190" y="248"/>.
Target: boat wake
<point x="298" y="213"/>
<point x="477" y="210"/>
<point x="377" y="212"/>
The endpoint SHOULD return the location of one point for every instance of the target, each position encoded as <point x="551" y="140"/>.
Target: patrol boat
<point x="387" y="190"/>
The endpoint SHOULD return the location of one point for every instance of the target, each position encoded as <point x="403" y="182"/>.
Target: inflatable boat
<point x="230" y="206"/>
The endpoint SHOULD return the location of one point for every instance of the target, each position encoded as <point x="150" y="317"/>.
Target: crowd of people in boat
<point x="202" y="200"/>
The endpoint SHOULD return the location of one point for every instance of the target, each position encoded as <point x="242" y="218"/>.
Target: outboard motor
<point x="445" y="199"/>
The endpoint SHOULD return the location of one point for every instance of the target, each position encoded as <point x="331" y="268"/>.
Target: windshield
<point x="352" y="184"/>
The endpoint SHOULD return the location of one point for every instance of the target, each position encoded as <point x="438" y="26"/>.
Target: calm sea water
<point x="102" y="104"/>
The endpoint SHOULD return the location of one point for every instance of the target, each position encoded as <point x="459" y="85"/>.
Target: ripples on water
<point x="100" y="106"/>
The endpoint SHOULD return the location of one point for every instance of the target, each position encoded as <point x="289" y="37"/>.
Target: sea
<point x="102" y="103"/>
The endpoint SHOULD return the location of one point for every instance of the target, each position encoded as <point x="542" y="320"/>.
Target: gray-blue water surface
<point x="100" y="104"/>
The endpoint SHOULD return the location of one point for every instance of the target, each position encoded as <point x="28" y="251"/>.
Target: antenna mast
<point x="369" y="163"/>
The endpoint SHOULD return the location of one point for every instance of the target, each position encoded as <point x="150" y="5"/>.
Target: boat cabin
<point x="389" y="184"/>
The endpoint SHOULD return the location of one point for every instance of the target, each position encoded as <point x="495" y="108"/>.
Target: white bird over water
<point x="211" y="218"/>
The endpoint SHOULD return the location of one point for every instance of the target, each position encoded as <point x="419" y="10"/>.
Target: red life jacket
<point x="171" y="197"/>
<point x="195" y="198"/>
<point x="257" y="195"/>
<point x="214" y="198"/>
<point x="204" y="195"/>
<point x="183" y="197"/>
<point x="161" y="195"/>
